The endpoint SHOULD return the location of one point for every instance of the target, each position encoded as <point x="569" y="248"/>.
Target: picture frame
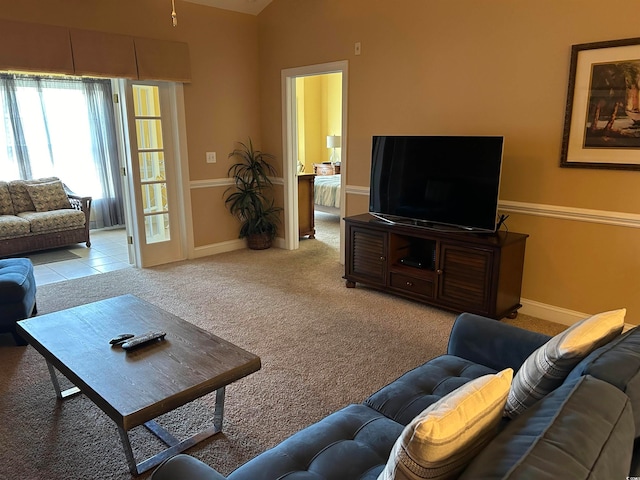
<point x="602" y="116"/>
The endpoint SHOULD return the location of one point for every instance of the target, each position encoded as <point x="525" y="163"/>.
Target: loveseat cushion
<point x="403" y="399"/>
<point x="12" y="226"/>
<point x="549" y="365"/>
<point x="618" y="363"/>
<point x="581" y="430"/>
<point x="48" y="196"/>
<point x="20" y="196"/>
<point x="6" y="205"/>
<point x="352" y="443"/>
<point x="55" y="221"/>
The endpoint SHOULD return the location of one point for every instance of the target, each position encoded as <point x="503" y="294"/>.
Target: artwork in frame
<point x="602" y="119"/>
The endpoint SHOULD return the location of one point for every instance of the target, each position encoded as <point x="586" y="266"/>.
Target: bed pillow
<point x="548" y="366"/>
<point x="48" y="196"/>
<point x="444" y="438"/>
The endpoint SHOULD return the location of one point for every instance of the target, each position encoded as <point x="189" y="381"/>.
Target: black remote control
<point x="120" y="339"/>
<point x="140" y="340"/>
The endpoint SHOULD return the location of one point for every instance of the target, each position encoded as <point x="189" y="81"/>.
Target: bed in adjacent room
<point x="326" y="195"/>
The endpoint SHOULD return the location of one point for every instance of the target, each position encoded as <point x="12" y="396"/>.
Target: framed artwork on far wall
<point x="602" y="118"/>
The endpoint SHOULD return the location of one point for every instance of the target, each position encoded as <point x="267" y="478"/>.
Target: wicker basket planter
<point x="259" y="241"/>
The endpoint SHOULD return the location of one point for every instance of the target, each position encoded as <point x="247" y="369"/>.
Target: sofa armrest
<point x="492" y="343"/>
<point x="187" y="467"/>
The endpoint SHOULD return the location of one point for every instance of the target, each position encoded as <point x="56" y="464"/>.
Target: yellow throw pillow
<point x="446" y="436"/>
<point x="546" y="368"/>
<point x="48" y="196"/>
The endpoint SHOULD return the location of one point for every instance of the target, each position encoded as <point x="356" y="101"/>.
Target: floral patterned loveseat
<point x="40" y="214"/>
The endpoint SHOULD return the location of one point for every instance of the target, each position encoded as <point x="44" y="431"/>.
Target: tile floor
<point x="108" y="252"/>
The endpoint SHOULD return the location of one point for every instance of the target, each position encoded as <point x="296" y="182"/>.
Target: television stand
<point x="459" y="271"/>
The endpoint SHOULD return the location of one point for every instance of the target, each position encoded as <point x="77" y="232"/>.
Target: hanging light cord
<point x="174" y="17"/>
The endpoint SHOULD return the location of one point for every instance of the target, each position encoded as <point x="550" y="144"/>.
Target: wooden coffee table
<point x="135" y="387"/>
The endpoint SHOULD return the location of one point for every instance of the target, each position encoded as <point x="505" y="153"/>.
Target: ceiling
<point x="253" y="7"/>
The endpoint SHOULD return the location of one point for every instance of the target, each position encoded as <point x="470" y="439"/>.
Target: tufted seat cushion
<point x="12" y="226"/>
<point x="414" y="391"/>
<point x="54" y="221"/>
<point x="352" y="443"/>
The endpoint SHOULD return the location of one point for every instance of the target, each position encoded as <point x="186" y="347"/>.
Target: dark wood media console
<point x="462" y="272"/>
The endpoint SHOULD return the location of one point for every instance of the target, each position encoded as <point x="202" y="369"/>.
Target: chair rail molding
<point x="620" y="219"/>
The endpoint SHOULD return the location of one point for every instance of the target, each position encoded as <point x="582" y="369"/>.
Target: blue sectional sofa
<point x="584" y="429"/>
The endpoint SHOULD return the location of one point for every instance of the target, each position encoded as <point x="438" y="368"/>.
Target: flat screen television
<point x="441" y="182"/>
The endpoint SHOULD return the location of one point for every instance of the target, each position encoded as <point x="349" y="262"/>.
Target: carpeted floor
<point x="322" y="346"/>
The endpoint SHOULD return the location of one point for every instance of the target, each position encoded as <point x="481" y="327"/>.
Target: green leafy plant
<point x="249" y="199"/>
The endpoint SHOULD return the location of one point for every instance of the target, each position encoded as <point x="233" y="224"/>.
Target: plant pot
<point x="259" y="241"/>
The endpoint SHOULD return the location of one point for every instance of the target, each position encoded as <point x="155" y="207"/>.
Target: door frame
<point x="290" y="146"/>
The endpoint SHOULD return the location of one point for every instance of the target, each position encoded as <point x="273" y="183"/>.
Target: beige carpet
<point x="322" y="346"/>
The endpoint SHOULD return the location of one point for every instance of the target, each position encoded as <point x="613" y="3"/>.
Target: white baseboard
<point x="221" y="247"/>
<point x="229" y="246"/>
<point x="555" y="314"/>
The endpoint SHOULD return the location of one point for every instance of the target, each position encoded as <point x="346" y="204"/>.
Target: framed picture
<point x="602" y="119"/>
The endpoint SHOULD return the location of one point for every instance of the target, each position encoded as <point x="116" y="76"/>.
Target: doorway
<point x="294" y="153"/>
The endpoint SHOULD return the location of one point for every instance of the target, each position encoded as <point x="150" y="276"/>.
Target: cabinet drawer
<point x="406" y="283"/>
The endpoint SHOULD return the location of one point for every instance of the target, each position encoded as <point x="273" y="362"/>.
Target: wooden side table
<point x="306" y="224"/>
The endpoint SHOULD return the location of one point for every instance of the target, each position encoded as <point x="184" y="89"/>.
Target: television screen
<point x="437" y="180"/>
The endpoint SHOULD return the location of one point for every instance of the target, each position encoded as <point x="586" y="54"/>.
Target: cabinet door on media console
<point x="464" y="277"/>
<point x="367" y="258"/>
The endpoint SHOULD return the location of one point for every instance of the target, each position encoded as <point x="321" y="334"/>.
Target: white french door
<point x="151" y="174"/>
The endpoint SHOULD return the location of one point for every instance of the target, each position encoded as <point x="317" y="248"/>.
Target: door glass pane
<point x="154" y="197"/>
<point x="149" y="134"/>
<point x="147" y="101"/>
<point x="156" y="228"/>
<point x="151" y="166"/>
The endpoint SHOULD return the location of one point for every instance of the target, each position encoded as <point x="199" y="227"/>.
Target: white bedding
<point x="326" y="190"/>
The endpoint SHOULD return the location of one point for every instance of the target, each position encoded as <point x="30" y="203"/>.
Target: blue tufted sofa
<point x="585" y="429"/>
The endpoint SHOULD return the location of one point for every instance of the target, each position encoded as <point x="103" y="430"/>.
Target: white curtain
<point x="62" y="127"/>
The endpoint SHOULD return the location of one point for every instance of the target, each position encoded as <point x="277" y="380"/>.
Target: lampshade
<point x="333" y="141"/>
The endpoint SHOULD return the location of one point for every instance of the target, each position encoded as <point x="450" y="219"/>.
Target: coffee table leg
<point x="174" y="445"/>
<point x="128" y="452"/>
<point x="56" y="385"/>
<point x="218" y="413"/>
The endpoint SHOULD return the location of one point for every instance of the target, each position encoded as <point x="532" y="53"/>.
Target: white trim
<point x="289" y="144"/>
<point x="211" y="183"/>
<point x="222" y="247"/>
<point x="356" y="190"/>
<point x="621" y="219"/>
<point x="551" y="312"/>
<point x="555" y="314"/>
<point x="570" y="213"/>
<point x="182" y="172"/>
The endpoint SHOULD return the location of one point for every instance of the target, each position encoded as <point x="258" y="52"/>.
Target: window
<point x="63" y="127"/>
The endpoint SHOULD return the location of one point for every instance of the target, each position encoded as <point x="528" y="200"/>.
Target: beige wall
<point x="468" y="67"/>
<point x="221" y="102"/>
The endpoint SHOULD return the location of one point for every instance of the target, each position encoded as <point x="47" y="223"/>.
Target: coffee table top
<point x="136" y="386"/>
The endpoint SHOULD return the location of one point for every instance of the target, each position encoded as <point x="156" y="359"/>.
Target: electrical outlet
<point x="357" y="48"/>
<point x="211" y="157"/>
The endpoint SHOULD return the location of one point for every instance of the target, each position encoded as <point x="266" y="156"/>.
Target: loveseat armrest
<point x="185" y="467"/>
<point x="492" y="343"/>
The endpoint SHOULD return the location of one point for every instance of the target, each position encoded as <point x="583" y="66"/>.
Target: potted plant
<point x="250" y="199"/>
